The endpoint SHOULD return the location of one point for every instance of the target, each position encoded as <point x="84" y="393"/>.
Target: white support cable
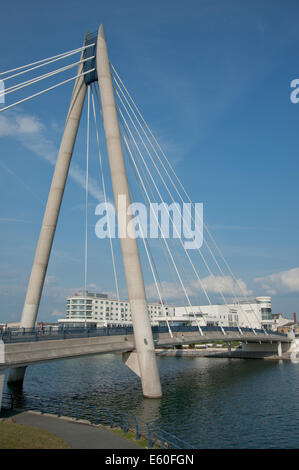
<point x="147" y="248"/>
<point x="154" y="199"/>
<point x="157" y="221"/>
<point x="49" y="61"/>
<point x="199" y="328"/>
<point x="206" y="228"/>
<point x="154" y="183"/>
<point x="32" y="81"/>
<point x="45" y="91"/>
<point x="172" y="181"/>
<point x="143" y="238"/>
<point x="140" y="178"/>
<point x="149" y="255"/>
<point x="144" y="197"/>
<point x="86" y="196"/>
<point x="154" y="275"/>
<point x="105" y="196"/>
<point x="162" y="179"/>
<point x="136" y="145"/>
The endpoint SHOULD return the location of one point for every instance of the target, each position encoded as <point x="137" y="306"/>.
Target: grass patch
<point x="142" y="442"/>
<point x="19" y="436"/>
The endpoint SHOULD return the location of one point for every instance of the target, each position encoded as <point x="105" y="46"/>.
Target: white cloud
<point x="29" y="130"/>
<point x="281" y="282"/>
<point x="58" y="292"/>
<point x="15" y="124"/>
<point x="50" y="280"/>
<point x="212" y="285"/>
<point x="168" y="291"/>
<point x="225" y="284"/>
<point x="56" y="313"/>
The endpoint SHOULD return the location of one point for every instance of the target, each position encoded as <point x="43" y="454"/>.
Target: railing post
<point x="41" y="407"/>
<point x="137" y="429"/>
<point x="96" y="416"/>
<point x="149" y="436"/>
<point x="111" y="419"/>
<point x="125" y="428"/>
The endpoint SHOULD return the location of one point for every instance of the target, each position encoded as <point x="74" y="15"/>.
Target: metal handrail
<point x="10" y="335"/>
<point x="97" y="415"/>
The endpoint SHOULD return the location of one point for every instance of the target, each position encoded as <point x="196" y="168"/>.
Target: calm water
<point x="210" y="403"/>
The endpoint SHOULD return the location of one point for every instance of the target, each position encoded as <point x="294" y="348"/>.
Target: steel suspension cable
<point x="163" y="236"/>
<point x="217" y="264"/>
<point x="49" y="61"/>
<point x="158" y="192"/>
<point x="147" y="249"/>
<point x="104" y="192"/>
<point x="86" y="196"/>
<point x="32" y="81"/>
<point x="45" y="91"/>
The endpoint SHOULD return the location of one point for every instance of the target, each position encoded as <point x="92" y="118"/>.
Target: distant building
<point x="279" y="321"/>
<point x="254" y="313"/>
<point x="285" y="325"/>
<point x="98" y="309"/>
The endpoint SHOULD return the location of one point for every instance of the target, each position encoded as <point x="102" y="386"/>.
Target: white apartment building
<point x="98" y="309"/>
<point x="253" y="314"/>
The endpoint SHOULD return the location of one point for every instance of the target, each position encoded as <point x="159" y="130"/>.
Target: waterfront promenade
<point x="78" y="434"/>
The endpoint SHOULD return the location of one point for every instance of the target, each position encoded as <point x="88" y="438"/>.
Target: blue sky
<point x="213" y="81"/>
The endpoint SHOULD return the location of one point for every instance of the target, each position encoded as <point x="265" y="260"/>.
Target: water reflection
<point x="211" y="403"/>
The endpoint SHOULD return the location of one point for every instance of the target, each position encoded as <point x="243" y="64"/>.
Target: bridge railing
<point x="14" y="335"/>
<point x="154" y="435"/>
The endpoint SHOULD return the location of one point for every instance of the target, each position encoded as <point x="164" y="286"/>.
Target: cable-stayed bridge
<point x="194" y="259"/>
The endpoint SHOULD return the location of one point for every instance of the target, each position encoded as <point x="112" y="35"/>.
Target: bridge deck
<point x="28" y="349"/>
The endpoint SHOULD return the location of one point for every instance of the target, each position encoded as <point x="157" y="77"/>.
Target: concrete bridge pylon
<point x="141" y="323"/>
<point x="146" y="358"/>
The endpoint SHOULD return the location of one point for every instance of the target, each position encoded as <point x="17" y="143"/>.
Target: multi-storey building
<point x="99" y="309"/>
<point x="254" y="313"/>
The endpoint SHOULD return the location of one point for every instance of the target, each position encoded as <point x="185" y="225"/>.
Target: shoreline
<point x="235" y="353"/>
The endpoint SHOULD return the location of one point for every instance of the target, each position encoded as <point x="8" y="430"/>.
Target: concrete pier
<point x="16" y="375"/>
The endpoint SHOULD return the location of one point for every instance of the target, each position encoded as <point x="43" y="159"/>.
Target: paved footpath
<point x="77" y="434"/>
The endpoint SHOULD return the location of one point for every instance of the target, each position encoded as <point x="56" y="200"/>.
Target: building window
<point x="266" y="313"/>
